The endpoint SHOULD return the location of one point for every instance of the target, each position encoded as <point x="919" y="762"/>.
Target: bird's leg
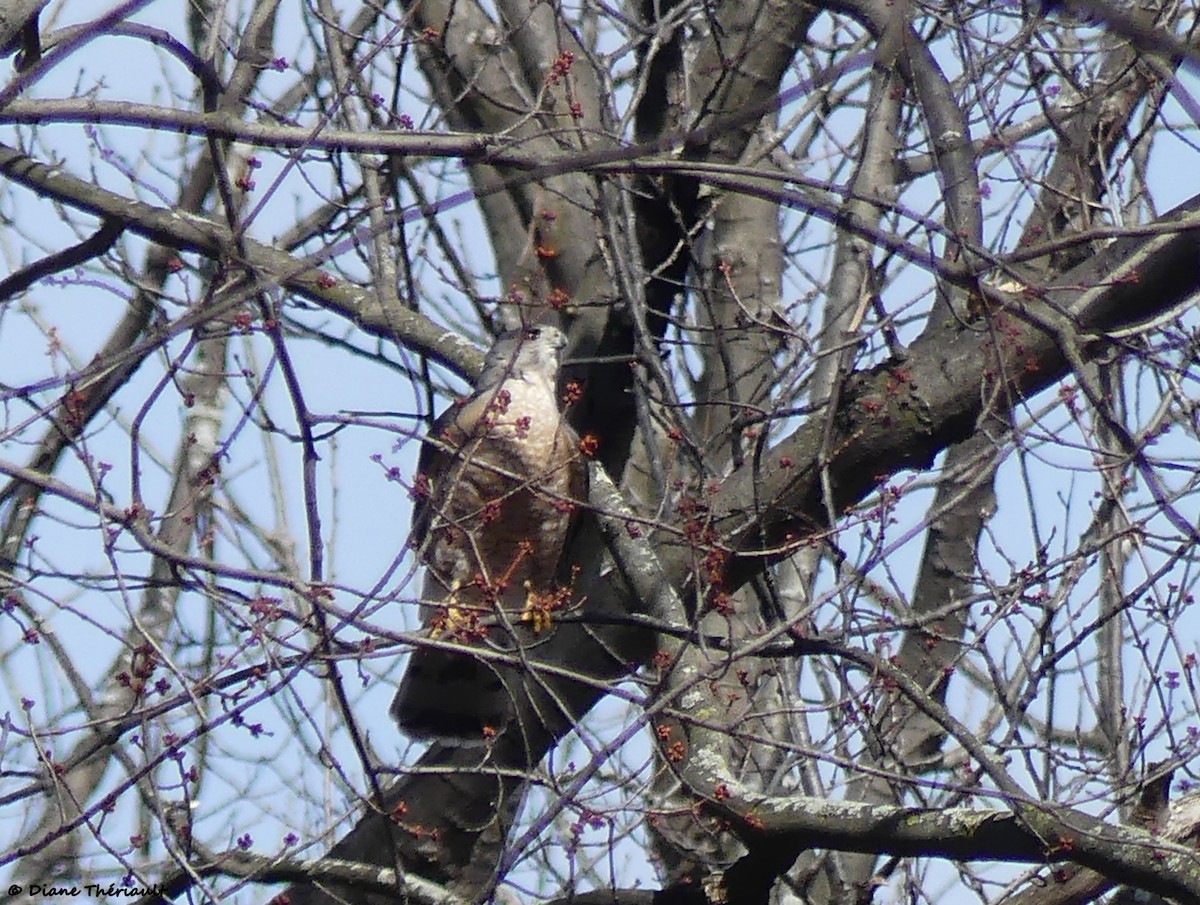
<point x="524" y="551"/>
<point x="453" y="619"/>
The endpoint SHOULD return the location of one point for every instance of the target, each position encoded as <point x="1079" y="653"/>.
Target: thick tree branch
<point x="190" y="232"/>
<point x="902" y="414"/>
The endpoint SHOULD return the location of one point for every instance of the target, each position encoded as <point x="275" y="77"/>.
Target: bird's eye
<point x="533" y="332"/>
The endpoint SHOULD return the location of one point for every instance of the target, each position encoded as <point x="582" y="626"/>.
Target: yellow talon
<point x="538" y="610"/>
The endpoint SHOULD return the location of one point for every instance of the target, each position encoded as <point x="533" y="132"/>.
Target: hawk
<point x="497" y="485"/>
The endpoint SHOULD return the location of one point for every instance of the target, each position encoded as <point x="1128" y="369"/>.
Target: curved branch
<point x="92" y="247"/>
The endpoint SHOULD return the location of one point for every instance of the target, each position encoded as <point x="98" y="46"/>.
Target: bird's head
<point x="531" y="353"/>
